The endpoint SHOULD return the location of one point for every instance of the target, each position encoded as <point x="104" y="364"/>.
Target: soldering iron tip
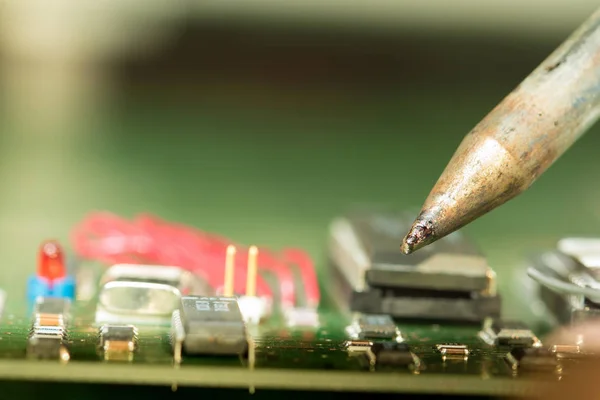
<point x="419" y="235"/>
<point x="407" y="244"/>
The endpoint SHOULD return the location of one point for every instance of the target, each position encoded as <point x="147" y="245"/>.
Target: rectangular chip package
<point x="209" y="325"/>
<point x="447" y="280"/>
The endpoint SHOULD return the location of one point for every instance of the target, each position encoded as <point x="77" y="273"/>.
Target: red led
<point x="51" y="261"/>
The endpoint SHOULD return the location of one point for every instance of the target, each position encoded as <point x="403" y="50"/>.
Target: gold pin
<point x="229" y="271"/>
<point x="251" y="273"/>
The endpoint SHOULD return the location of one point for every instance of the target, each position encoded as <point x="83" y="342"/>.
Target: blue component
<point x="36" y="287"/>
<point x="63" y="287"/>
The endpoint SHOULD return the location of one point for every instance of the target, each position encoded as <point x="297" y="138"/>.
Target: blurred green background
<point x="264" y="129"/>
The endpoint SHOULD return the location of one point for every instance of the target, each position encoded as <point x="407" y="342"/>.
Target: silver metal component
<point x="373" y="326"/>
<point x="186" y="282"/>
<point x="118" y="342"/>
<point x="144" y="298"/>
<point x="453" y="351"/>
<point x="124" y="302"/>
<point x="569" y="289"/>
<point x="143" y="294"/>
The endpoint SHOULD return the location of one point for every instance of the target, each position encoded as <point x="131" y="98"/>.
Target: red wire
<point x="109" y="239"/>
<point x="307" y="273"/>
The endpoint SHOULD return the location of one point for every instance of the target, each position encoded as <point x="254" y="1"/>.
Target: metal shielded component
<point x="139" y="298"/>
<point x="136" y="302"/>
<point x="118" y="342"/>
<point x="184" y="281"/>
<point x="209" y="325"/>
<point x="143" y="294"/>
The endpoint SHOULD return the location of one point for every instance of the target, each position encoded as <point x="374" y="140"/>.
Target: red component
<point x="51" y="261"/>
<point x="110" y="239"/>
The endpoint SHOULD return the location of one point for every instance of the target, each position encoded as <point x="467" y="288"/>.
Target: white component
<point x="133" y="302"/>
<point x="86" y="283"/>
<point x="254" y="309"/>
<point x="302" y="317"/>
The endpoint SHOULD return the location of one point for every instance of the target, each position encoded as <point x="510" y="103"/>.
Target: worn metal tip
<point x="419" y="235"/>
<point x="407" y="244"/>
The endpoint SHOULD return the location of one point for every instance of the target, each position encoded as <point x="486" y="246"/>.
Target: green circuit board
<point x="280" y="356"/>
<point x="435" y="356"/>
